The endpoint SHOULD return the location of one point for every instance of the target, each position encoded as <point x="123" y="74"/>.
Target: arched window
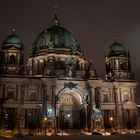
<point x="123" y="64"/>
<point x="32" y="93"/>
<point x="32" y="96"/>
<point x="125" y="95"/>
<point x="12" y="59"/>
<point x="11" y="92"/>
<point x="105" y="96"/>
<point x="41" y="66"/>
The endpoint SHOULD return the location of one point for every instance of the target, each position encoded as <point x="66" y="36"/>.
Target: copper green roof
<point x="116" y="48"/>
<point x="55" y="37"/>
<point x="12" y="39"/>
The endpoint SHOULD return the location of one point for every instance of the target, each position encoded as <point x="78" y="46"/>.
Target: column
<point x="131" y="95"/>
<point x="91" y="106"/>
<point x="57" y="116"/>
<point x="3" y="90"/>
<point x="18" y="94"/>
<point x="44" y="100"/>
<point x="85" y="106"/>
<point x="116" y="107"/>
<point x="26" y="91"/>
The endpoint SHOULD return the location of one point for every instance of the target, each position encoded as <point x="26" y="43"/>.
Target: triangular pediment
<point x="10" y="101"/>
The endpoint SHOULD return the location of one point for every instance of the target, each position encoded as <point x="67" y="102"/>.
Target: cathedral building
<point x="59" y="88"/>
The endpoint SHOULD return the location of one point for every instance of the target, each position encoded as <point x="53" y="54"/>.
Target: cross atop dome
<point x="115" y="38"/>
<point x="13" y="30"/>
<point x="55" y="20"/>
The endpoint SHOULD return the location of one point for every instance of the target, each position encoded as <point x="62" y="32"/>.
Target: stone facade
<point x="59" y="88"/>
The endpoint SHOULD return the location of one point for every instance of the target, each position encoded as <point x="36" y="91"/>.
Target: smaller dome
<point x="13" y="39"/>
<point x="116" y="48"/>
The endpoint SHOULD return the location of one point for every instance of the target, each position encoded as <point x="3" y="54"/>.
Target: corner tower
<point x="117" y="62"/>
<point x="11" y="56"/>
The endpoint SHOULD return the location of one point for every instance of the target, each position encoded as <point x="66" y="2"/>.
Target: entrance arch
<point x="71" y="111"/>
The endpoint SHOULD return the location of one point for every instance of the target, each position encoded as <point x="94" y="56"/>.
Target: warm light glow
<point x="45" y="118"/>
<point x="111" y="118"/>
<point x="13" y="30"/>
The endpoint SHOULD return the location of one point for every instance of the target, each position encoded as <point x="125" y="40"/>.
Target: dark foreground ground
<point x="113" y="137"/>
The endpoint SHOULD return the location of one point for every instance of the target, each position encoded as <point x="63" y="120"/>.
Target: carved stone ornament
<point x="70" y="85"/>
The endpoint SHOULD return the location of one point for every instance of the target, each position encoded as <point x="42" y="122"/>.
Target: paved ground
<point x="113" y="137"/>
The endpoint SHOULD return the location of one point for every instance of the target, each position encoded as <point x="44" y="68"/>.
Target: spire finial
<point x="55" y="9"/>
<point x="115" y="38"/>
<point x="55" y="19"/>
<point x="13" y="30"/>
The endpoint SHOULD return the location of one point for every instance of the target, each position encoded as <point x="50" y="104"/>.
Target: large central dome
<point x="56" y="37"/>
<point x="54" y="49"/>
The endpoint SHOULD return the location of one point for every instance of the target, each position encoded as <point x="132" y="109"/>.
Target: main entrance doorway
<point x="70" y="118"/>
<point x="72" y="113"/>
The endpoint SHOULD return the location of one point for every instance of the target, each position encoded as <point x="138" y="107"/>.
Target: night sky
<point x="93" y="22"/>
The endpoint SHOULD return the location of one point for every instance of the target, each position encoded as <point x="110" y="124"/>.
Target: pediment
<point x="10" y="101"/>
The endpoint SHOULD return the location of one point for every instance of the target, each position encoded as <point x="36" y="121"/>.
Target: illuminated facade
<point x="61" y="85"/>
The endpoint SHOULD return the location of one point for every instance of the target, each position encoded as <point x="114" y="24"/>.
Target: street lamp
<point x="111" y="118"/>
<point x="45" y="120"/>
<point x="111" y="122"/>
